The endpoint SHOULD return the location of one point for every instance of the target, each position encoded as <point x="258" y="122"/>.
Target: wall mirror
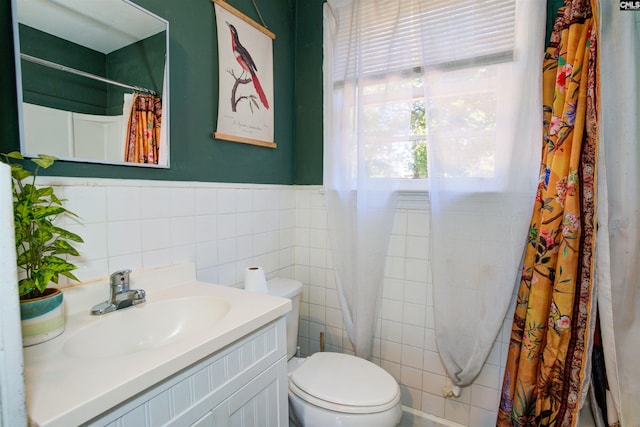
<point x="92" y="81"/>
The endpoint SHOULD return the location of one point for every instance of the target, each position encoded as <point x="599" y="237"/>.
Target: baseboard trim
<point x="415" y="418"/>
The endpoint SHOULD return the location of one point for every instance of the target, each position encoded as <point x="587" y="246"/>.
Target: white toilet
<point x="335" y="389"/>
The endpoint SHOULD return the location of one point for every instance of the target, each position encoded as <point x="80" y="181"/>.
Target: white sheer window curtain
<point x="482" y="189"/>
<point x="360" y="207"/>
<point x="474" y="68"/>
<point x="618" y="238"/>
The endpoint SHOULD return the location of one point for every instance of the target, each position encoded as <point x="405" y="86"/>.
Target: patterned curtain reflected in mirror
<point x="142" y="143"/>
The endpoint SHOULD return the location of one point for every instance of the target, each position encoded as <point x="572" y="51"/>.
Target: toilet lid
<point x="345" y="380"/>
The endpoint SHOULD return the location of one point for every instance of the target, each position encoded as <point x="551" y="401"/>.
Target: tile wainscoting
<point x="404" y="344"/>
<point x="225" y="228"/>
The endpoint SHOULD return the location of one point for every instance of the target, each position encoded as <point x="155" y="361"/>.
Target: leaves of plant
<point x="43" y="161"/>
<point x="64" y="248"/>
<point x="19" y="173"/>
<point x="15" y="155"/>
<point x="66" y="234"/>
<point x="42" y="212"/>
<point x="38" y="241"/>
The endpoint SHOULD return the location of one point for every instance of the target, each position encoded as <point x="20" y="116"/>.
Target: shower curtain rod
<point x="83" y="73"/>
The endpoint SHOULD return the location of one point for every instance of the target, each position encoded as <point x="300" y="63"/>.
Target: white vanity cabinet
<point x="241" y="385"/>
<point x="194" y="353"/>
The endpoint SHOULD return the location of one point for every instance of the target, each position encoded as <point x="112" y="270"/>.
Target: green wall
<point x="552" y="13"/>
<point x="58" y="89"/>
<point x="193" y="49"/>
<point x="308" y="87"/>
<point x="140" y="64"/>
<point x="195" y="155"/>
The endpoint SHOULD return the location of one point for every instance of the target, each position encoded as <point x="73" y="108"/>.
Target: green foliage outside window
<point x="418" y="165"/>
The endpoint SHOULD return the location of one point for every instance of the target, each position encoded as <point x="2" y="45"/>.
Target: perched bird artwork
<point x="246" y="62"/>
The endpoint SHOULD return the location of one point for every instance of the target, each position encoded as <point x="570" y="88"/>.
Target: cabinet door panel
<point x="260" y="403"/>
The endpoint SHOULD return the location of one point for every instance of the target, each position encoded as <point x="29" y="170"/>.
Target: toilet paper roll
<point x="255" y="280"/>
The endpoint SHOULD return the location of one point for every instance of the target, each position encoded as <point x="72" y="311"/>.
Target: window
<point x="447" y="93"/>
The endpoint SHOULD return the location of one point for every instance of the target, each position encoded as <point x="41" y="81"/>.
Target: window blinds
<point x="453" y="33"/>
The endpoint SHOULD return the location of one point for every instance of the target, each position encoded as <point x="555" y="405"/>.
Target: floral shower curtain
<point x="143" y="130"/>
<point x="552" y="328"/>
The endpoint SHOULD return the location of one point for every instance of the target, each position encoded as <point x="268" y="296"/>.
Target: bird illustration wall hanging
<point x="245" y="76"/>
<point x="246" y="62"/>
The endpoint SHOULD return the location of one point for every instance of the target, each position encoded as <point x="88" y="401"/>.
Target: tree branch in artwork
<point x="235" y="101"/>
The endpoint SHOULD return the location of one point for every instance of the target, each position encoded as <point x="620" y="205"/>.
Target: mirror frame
<point x="165" y="94"/>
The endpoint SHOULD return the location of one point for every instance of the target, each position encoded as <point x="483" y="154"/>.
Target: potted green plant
<point x="41" y="250"/>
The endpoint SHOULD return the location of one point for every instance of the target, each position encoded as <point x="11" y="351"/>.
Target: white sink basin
<point x="146" y="326"/>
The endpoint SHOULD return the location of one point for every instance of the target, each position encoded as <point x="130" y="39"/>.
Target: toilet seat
<point x="343" y="383"/>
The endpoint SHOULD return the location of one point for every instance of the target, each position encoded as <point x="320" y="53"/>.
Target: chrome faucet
<point x="120" y="296"/>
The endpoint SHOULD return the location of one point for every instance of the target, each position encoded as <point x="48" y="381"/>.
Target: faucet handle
<point x="120" y="280"/>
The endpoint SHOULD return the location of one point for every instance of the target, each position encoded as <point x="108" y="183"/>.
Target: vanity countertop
<point x="68" y="388"/>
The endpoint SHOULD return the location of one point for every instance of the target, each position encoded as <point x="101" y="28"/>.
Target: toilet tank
<point x="288" y="288"/>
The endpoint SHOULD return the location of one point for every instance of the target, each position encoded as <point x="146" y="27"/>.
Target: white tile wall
<point x="222" y="228"/>
<point x="405" y="343"/>
<point x="225" y="228"/>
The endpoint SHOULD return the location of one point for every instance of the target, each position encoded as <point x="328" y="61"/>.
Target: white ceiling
<point x="102" y="25"/>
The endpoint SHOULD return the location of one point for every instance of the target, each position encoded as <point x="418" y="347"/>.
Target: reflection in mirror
<point x="92" y="81"/>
